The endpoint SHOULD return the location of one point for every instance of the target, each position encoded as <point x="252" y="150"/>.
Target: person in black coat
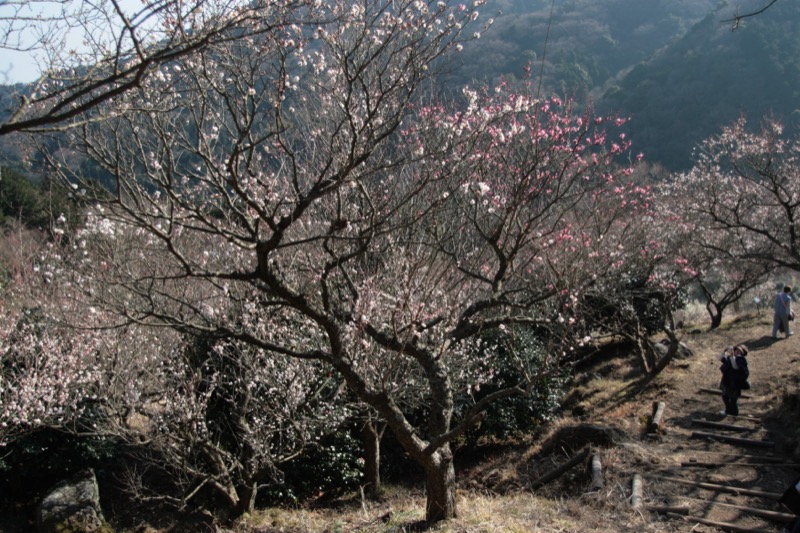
<point x="791" y="499"/>
<point x="734" y="377"/>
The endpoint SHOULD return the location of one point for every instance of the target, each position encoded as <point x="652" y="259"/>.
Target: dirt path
<point x="675" y="461"/>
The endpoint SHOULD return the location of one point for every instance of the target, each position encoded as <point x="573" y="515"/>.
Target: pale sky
<point x="17" y="67"/>
<point x="21" y="67"/>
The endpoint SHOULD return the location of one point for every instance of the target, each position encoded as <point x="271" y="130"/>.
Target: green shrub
<point x="328" y="470"/>
<point x="36" y="206"/>
<point x="515" y="352"/>
<point x="34" y="463"/>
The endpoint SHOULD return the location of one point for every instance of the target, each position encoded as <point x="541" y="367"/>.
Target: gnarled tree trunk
<point x="247" y="499"/>
<point x="440" y="486"/>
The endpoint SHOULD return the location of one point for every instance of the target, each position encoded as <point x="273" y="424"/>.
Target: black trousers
<point x="731" y="405"/>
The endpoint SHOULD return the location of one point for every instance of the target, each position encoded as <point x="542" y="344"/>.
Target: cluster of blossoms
<point x="46" y="372"/>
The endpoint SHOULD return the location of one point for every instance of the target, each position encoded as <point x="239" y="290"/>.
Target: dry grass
<point x="518" y="512"/>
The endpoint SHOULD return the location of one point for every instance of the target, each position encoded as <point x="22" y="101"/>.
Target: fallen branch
<point x="558" y="472"/>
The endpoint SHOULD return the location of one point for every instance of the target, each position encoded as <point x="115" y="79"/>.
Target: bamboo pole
<point x="636" y="491"/>
<point x="597" y="473"/>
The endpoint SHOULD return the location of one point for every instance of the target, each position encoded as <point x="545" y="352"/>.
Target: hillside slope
<point x="767" y="415"/>
<point x="578" y="46"/>
<point x="503" y="487"/>
<point x="495" y="492"/>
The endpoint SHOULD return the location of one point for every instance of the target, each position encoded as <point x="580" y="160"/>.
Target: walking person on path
<point x="734" y="377"/>
<point x="783" y="310"/>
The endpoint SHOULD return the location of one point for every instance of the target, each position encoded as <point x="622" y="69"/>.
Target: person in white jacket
<point x="783" y="312"/>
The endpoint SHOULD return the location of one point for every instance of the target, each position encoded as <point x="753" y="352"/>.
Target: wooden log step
<point x="719" y="393"/>
<point x="721" y="525"/>
<point x="762" y="513"/>
<point x="766" y="458"/>
<point x="724" y="488"/>
<point x="749" y="418"/>
<point x="666" y="509"/>
<point x="597" y="473"/>
<point x="733" y="440"/>
<point x="721" y="425"/>
<point x="636" y="491"/>
<point x="698" y="464"/>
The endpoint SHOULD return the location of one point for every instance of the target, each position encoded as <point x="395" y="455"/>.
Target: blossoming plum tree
<point x="635" y="300"/>
<point x="223" y="416"/>
<point x="48" y="375"/>
<point x="740" y="199"/>
<point x="300" y="193"/>
<point x="713" y="260"/>
<point x="218" y="416"/>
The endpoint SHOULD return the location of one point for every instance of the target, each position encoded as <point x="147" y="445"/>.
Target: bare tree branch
<point x="118" y="49"/>
<point x="738" y="18"/>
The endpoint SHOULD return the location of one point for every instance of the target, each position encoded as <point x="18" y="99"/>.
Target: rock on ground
<point x="72" y="506"/>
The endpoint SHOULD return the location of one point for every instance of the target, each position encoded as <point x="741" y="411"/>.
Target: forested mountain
<point x="584" y="43"/>
<point x="674" y="66"/>
<point x="711" y="77"/>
